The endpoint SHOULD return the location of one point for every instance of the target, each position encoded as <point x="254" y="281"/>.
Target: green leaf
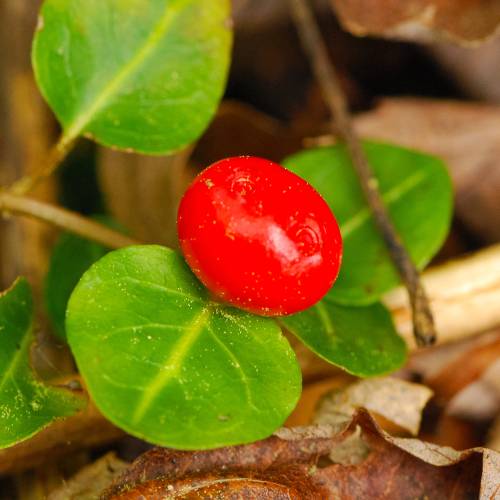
<point x="26" y="404"/>
<point x="70" y="258"/>
<point x="361" y="340"/>
<point x="417" y="191"/>
<point x="145" y="75"/>
<point x="166" y="364"/>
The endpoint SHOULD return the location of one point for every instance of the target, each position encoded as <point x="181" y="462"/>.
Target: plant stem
<point x="64" y="219"/>
<point x="56" y="156"/>
<point x="314" y="46"/>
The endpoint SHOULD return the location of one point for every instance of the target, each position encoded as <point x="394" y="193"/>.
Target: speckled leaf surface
<point x="26" y="404"/>
<point x="361" y="340"/>
<point x="417" y="191"/>
<point x="166" y="364"/>
<point x="145" y="75"/>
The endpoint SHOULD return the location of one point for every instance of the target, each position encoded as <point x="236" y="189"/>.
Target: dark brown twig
<point x="314" y="46"/>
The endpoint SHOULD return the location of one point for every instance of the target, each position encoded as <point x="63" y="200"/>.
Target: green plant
<point x="159" y="357"/>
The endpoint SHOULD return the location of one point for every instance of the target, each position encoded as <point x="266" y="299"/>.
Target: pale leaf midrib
<point x="173" y="364"/>
<point x="162" y="288"/>
<point x="393" y="195"/>
<point x="74" y="129"/>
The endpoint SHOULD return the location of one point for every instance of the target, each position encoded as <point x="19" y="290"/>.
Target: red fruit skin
<point x="259" y="237"/>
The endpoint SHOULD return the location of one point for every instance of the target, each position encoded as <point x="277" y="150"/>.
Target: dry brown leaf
<point x="466" y="368"/>
<point x="479" y="400"/>
<point x="294" y="464"/>
<point x="396" y="400"/>
<point x="475" y="70"/>
<point x="312" y="393"/>
<point x="463" y="21"/>
<point x="88" y="483"/>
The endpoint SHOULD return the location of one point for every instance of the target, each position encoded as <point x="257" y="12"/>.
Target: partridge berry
<point x="259" y="237"/>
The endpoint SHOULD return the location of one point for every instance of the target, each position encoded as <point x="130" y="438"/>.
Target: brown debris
<point x="299" y="467"/>
<point x="463" y="21"/>
<point x="91" y="480"/>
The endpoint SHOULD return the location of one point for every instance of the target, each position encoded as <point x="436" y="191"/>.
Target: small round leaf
<point x="145" y="75"/>
<point x="166" y="364"/>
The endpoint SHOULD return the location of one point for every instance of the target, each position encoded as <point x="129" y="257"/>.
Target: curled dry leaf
<point x="294" y="464"/>
<point x="396" y="400"/>
<point x="462" y="21"/>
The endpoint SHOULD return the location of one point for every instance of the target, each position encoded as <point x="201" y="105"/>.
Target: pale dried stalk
<point x="464" y="295"/>
<point x="63" y="219"/>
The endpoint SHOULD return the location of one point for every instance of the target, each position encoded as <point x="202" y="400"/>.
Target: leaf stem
<point x="64" y="219"/>
<point x="314" y="46"/>
<point x="55" y="157"/>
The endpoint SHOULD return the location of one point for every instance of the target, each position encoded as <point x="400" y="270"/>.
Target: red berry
<point x="259" y="237"/>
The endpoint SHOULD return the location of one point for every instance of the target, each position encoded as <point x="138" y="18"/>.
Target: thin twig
<point x="64" y="219"/>
<point x="55" y="157"/>
<point x="314" y="45"/>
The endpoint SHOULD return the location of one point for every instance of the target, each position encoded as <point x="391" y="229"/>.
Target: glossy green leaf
<point x="166" y="364"/>
<point x="361" y="340"/>
<point x="417" y="191"/>
<point x="70" y="258"/>
<point x="144" y="75"/>
<point x="26" y="404"/>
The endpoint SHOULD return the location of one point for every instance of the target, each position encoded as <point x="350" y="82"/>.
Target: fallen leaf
<point x="312" y="393"/>
<point x="474" y="69"/>
<point x="91" y="480"/>
<point x="396" y="400"/>
<point x="479" y="400"/>
<point x="463" y="21"/>
<point x="294" y="464"/>
<point x="465" y="369"/>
